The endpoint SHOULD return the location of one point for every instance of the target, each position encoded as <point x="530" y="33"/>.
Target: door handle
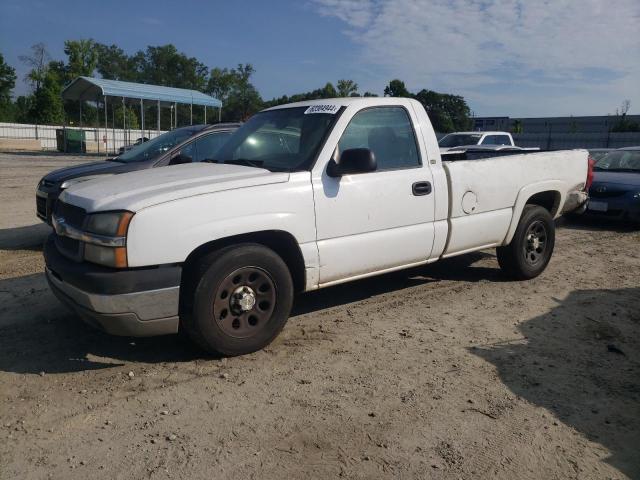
<point x="421" y="188"/>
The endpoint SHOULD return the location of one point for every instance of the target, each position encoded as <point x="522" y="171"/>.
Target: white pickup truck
<point x="303" y="196"/>
<point x="460" y="139"/>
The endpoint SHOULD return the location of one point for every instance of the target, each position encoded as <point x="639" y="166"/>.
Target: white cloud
<point x="560" y="55"/>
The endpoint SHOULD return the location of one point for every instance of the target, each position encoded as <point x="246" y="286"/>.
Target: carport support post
<point x="158" y="117"/>
<point x="142" y="115"/>
<point x="175" y="109"/>
<point x="106" y="144"/>
<point x="124" y="121"/>
<point x="220" y="113"/>
<point x="191" y="113"/>
<point x="205" y="114"/>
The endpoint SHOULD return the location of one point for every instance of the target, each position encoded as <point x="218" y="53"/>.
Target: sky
<point x="518" y="58"/>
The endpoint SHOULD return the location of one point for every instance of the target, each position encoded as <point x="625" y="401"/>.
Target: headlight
<point x="112" y="224"/>
<point x="105" y="241"/>
<point x="636" y="196"/>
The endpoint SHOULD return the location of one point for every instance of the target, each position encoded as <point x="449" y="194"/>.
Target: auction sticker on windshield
<point x="324" y="108"/>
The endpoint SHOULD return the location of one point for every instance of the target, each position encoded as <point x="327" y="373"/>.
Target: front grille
<point x="41" y="206"/>
<point x="68" y="246"/>
<point x="72" y="215"/>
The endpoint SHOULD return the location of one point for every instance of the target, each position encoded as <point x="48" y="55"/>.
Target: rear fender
<point x="529" y="191"/>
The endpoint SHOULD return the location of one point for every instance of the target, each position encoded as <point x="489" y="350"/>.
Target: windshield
<point x="457" y="139"/>
<point x="598" y="154"/>
<point x="620" y="161"/>
<point x="155" y="148"/>
<point x="285" y="139"/>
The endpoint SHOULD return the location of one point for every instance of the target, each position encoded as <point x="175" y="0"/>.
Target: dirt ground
<point x="442" y="372"/>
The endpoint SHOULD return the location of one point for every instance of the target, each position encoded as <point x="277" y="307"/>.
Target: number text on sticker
<point x="325" y="108"/>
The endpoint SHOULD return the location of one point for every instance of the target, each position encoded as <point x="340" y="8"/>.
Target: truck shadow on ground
<point x="581" y="361"/>
<point x="34" y="321"/>
<point x="31" y="237"/>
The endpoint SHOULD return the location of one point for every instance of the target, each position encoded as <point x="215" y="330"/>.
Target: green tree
<point x="22" y="109"/>
<point x="234" y="89"/>
<point x="47" y="107"/>
<point x="347" y="88"/>
<point x="328" y="91"/>
<point x="164" y="65"/>
<point x="220" y="84"/>
<point x="38" y="62"/>
<point x="396" y="88"/>
<point x="623" y="124"/>
<point x="82" y="58"/>
<point x="244" y="100"/>
<point x="517" y="127"/>
<point x="131" y="117"/>
<point x="447" y="113"/>
<point x="114" y="64"/>
<point x="7" y="83"/>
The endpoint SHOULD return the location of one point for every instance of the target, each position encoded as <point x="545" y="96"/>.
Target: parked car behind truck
<point x="303" y="196"/>
<point x="615" y="193"/>
<point x="182" y="145"/>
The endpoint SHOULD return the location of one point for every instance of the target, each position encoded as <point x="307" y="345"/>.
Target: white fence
<point x="98" y="140"/>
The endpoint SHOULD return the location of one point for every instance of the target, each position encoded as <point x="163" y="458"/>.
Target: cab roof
<point x="346" y="101"/>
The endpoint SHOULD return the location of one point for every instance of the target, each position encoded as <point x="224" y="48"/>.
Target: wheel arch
<point x="548" y="195"/>
<point x="281" y="242"/>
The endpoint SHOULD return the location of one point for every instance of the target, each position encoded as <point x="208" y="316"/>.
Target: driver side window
<point x="185" y="155"/>
<point x="208" y="145"/>
<point x="387" y="132"/>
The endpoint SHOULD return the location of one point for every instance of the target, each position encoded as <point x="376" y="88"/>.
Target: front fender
<point x="169" y="232"/>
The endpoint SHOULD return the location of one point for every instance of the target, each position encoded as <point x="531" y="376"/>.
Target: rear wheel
<point x="242" y="298"/>
<point x="530" y="250"/>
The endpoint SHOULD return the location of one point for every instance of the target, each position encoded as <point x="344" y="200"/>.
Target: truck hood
<point x="93" y="168"/>
<point x="137" y="190"/>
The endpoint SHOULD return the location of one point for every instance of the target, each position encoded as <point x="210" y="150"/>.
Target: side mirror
<point x="180" y="158"/>
<point x="354" y="160"/>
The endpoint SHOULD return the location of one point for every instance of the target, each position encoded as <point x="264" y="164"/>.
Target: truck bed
<point x="485" y="195"/>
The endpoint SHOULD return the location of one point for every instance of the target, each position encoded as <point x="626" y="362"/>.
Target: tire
<point x="240" y="300"/>
<point x="530" y="250"/>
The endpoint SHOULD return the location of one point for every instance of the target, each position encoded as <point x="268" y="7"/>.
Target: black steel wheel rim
<point x="244" y="302"/>
<point x="535" y="243"/>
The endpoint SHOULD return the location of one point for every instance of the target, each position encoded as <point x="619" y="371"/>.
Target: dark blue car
<point x="615" y="192"/>
<point x="182" y="145"/>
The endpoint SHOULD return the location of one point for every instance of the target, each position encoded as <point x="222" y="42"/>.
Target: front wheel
<point x="530" y="250"/>
<point x="241" y="300"/>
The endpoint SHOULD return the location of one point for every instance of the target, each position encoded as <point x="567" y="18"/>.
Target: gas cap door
<point x="469" y="202"/>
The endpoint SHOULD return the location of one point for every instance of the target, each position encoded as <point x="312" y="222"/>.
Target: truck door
<point x="380" y="220"/>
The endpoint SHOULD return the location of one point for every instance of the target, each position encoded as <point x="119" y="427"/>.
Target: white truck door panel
<point x="370" y="222"/>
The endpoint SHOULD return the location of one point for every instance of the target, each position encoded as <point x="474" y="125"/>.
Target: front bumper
<point x="623" y="208"/>
<point x="118" y="304"/>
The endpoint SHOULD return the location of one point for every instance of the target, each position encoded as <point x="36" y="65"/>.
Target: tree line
<point x="165" y="65"/>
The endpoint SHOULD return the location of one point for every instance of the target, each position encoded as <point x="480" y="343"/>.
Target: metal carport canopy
<point x="89" y="88"/>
